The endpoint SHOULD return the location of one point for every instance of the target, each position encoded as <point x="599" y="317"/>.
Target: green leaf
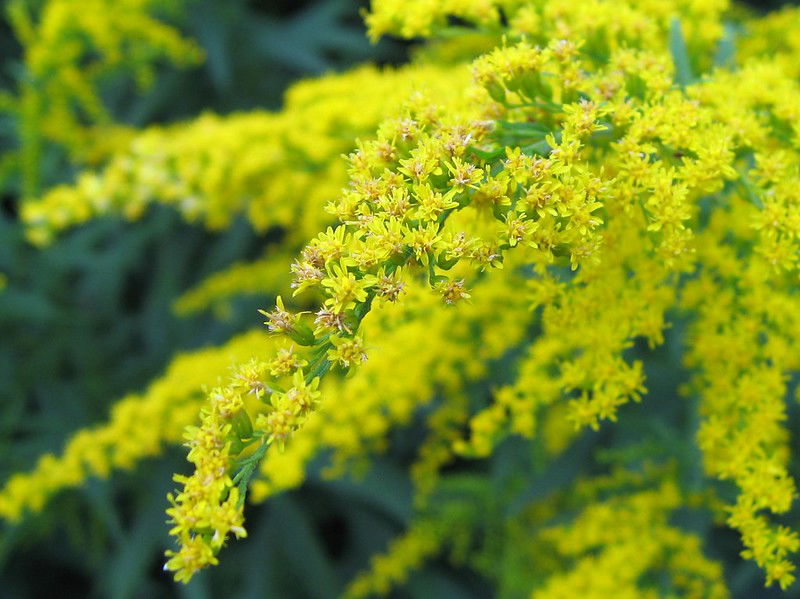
<point x="680" y="54"/>
<point x="523" y="129"/>
<point x="303" y="549"/>
<point x="726" y="49"/>
<point x="486" y="155"/>
<point x="129" y="561"/>
<point x="540" y="148"/>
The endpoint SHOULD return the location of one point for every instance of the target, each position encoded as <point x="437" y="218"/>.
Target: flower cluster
<point x="209" y="506"/>
<point x="215" y="168"/>
<point x="70" y="48"/>
<point x="515" y="229"/>
<point x="572" y="159"/>
<point x="139" y="427"/>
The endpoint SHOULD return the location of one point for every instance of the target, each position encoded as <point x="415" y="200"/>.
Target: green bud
<point x="301" y="334"/>
<point x="242" y="425"/>
<point x="236" y="446"/>
<point x="445" y="264"/>
<point x="437" y="279"/>
<point x="497" y="92"/>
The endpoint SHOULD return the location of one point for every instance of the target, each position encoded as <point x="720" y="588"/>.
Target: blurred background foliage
<point x="90" y="318"/>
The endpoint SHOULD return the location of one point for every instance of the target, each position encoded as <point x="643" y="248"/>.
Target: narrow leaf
<point x="680" y="54"/>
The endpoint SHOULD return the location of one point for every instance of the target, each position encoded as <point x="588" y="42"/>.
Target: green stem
<point x="247" y="469"/>
<point x="319" y="370"/>
<point x="30" y="153"/>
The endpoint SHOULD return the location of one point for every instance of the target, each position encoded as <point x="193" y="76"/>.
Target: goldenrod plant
<point x="69" y="49"/>
<point x="556" y="252"/>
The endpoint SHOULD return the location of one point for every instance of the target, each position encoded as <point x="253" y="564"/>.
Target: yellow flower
<point x="344" y="288"/>
<point x="347" y="351"/>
